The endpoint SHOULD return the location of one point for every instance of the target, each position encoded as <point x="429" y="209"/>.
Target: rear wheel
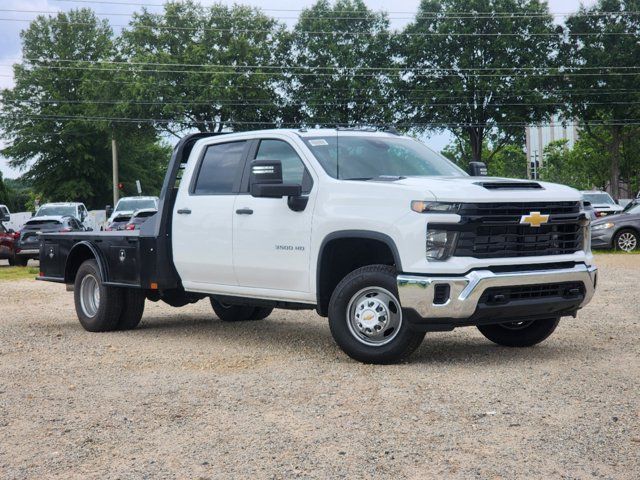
<point x="365" y="317"/>
<point x="626" y="240"/>
<point x="520" y="334"/>
<point x="132" y="309"/>
<point x="238" y="313"/>
<point x="98" y="307"/>
<point x="20" y="261"/>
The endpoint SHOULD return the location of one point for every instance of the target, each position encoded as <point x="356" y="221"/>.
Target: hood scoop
<point x="510" y="185"/>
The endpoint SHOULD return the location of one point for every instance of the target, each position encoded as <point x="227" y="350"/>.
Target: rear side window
<point x="219" y="169"/>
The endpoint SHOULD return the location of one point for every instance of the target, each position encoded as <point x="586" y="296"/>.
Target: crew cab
<point x="377" y="232"/>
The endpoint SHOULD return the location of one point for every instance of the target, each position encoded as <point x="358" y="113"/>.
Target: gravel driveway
<point x="186" y="396"/>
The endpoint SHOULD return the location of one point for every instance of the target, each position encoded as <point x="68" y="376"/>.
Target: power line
<point x="280" y="122"/>
<point x="390" y="15"/>
<point x="345" y="71"/>
<point x="342" y="32"/>
<point x="285" y="103"/>
<point x="33" y="61"/>
<point x="129" y="3"/>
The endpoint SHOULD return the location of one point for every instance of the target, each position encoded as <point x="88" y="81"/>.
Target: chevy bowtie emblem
<point x="534" y="219"/>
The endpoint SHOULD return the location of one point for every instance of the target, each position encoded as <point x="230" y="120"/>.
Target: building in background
<point x="540" y="136"/>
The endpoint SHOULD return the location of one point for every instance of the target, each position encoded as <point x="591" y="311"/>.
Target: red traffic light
<point x="120" y="186"/>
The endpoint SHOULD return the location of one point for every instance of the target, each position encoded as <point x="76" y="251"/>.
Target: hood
<point x="490" y="189"/>
<point x="618" y="217"/>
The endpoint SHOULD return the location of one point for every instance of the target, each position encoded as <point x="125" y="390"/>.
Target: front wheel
<point x="626" y="240"/>
<point x="520" y="334"/>
<point x="365" y="317"/>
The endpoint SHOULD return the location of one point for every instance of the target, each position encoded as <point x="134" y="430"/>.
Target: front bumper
<point x="602" y="238"/>
<point x="463" y="305"/>
<point x="28" y="252"/>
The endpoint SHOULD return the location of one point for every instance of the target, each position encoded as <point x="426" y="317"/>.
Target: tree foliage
<point x="600" y="40"/>
<point x="215" y="64"/>
<point x="478" y="75"/>
<point x="343" y="78"/>
<point x="51" y="123"/>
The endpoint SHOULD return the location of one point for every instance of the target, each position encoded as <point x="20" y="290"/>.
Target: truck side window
<point x="219" y="168"/>
<point x="293" y="170"/>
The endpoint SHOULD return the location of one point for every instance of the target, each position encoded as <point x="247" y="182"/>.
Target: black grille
<point x="501" y="295"/>
<point x="493" y="230"/>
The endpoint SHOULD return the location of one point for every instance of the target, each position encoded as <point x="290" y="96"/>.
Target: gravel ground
<point x="186" y="396"/>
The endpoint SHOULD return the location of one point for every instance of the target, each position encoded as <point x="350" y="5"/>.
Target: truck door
<point x="271" y="244"/>
<point x="202" y="227"/>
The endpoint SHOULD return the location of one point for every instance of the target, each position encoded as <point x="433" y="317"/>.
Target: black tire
<point x="260" y="313"/>
<point x="132" y="309"/>
<point x="109" y="306"/>
<point x="380" y="280"/>
<point x="524" y="334"/>
<point x="233" y="313"/>
<point x="20" y="261"/>
<point x="12" y="260"/>
<point x="631" y="238"/>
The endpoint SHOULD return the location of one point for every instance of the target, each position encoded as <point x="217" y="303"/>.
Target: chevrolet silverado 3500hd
<point x="373" y="230"/>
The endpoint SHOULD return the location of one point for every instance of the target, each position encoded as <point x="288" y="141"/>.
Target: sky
<point x="10" y="30"/>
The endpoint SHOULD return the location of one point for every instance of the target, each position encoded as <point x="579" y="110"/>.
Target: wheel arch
<point x="621" y="229"/>
<point x="79" y="253"/>
<point x="381" y="249"/>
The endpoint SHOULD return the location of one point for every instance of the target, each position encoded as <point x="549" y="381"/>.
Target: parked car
<point x="602" y="203"/>
<point x="128" y="205"/>
<point x="589" y="210"/>
<point x="139" y="217"/>
<point x="621" y="232"/>
<point x="28" y="245"/>
<point x="118" y="222"/>
<point x="66" y="209"/>
<point x="5" y="214"/>
<point x="7" y="244"/>
<point x="384" y="236"/>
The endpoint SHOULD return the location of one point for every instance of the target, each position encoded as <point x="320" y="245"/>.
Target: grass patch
<point x="18" y="273"/>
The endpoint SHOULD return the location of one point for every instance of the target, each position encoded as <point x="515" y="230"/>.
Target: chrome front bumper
<point x="417" y="292"/>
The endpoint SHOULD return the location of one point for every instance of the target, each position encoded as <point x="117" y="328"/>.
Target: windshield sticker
<point x="321" y="142"/>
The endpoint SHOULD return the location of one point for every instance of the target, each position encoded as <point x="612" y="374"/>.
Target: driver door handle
<point x="244" y="211"/>
<point x="184" y="211"/>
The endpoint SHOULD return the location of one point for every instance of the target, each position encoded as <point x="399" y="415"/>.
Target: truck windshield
<point x="56" y="210"/>
<point x="598" y="198"/>
<point x="132" y="204"/>
<point x="352" y="157"/>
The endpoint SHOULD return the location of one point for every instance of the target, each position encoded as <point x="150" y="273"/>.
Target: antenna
<point x="337" y="153"/>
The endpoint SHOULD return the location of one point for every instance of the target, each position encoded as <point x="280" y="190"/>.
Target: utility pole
<point x="114" y="159"/>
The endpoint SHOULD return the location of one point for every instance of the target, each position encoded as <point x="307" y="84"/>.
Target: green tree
<point x="342" y="77"/>
<point x="510" y="161"/>
<point x="602" y="43"/>
<point x="4" y="192"/>
<point x="55" y="130"/>
<point x="212" y="67"/>
<point x="481" y="76"/>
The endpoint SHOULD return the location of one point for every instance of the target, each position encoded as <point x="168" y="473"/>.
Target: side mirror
<point x="108" y="210"/>
<point x="266" y="181"/>
<point x="477" y="169"/>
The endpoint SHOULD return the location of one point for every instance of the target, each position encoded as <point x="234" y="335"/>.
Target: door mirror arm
<point x="298" y="203"/>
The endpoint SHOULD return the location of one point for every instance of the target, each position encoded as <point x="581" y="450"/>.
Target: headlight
<point x="603" y="226"/>
<point x="421" y="206"/>
<point x="440" y="244"/>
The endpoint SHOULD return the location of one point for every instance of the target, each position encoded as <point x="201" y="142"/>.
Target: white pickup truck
<point x="373" y="230"/>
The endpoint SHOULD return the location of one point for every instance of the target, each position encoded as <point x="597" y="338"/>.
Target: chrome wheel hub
<point x="90" y="296"/>
<point x="627" y="242"/>
<point x="374" y="316"/>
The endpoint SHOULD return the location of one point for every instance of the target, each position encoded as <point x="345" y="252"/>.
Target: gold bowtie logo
<point x="534" y="219"/>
